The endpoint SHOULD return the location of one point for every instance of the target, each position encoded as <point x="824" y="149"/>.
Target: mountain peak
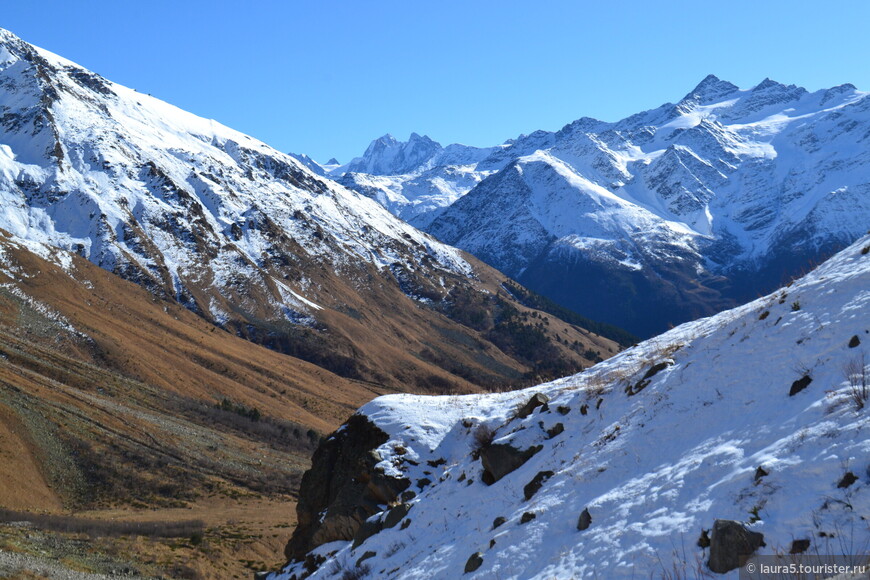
<point x="770" y="85"/>
<point x="417" y="138"/>
<point x="308" y="162"/>
<point x="770" y="92"/>
<point x="386" y="155"/>
<point x="386" y="139"/>
<point x="767" y="84"/>
<point x="710" y="89"/>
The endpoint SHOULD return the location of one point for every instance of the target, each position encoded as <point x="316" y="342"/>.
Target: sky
<point x="326" y="77"/>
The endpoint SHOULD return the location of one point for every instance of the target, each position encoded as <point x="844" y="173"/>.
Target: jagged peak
<point x="837" y="92"/>
<point x="841" y="89"/>
<point x="766" y="84"/>
<point x="386" y="155"/>
<point x="711" y="88"/>
<point x="389" y="141"/>
<point x="425" y="139"/>
<point x="769" y="84"/>
<point x="333" y="161"/>
<point x="386" y="138"/>
<point x="13" y="45"/>
<point x="582" y="124"/>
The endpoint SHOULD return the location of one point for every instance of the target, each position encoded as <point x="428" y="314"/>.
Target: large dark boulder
<point x="533" y="486"/>
<point x="342" y="485"/>
<point x="396" y="515"/>
<point x="799" y="546"/>
<point x="474" y="562"/>
<point x="537" y="400"/>
<point x="799" y="385"/>
<point x="501" y="458"/>
<point x="731" y="544"/>
<point x="647" y="378"/>
<point x="585" y="520"/>
<point x="848" y="479"/>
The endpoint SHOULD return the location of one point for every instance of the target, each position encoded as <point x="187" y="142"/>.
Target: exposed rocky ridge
<point x="245" y="236"/>
<point x="680" y="211"/>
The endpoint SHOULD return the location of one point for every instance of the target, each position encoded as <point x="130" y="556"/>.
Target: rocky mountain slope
<point x="661" y="217"/>
<point x="749" y="424"/>
<point x="252" y="240"/>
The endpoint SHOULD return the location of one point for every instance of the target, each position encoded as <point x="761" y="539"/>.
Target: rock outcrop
<point x="537" y="400"/>
<point x="731" y="545"/>
<point x="343" y="488"/>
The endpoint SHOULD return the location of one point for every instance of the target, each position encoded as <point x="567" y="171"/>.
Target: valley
<point x="607" y="347"/>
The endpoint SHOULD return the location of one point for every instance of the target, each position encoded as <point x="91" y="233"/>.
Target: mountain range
<point x="253" y="241"/>
<point x="667" y="215"/>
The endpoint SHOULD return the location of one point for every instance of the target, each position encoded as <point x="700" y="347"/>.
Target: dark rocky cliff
<point x="343" y="487"/>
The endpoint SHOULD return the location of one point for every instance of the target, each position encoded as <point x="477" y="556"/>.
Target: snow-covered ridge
<point x="173" y="200"/>
<point x="414" y="179"/>
<point x="755" y="415"/>
<point x="749" y="185"/>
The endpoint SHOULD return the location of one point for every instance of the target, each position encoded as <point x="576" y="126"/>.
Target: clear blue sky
<point x="326" y="77"/>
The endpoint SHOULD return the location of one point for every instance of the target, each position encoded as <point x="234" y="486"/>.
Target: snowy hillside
<point x="756" y="415"/>
<point x="147" y="190"/>
<point x="726" y="193"/>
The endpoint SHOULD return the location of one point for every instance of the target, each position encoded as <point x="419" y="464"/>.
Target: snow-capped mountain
<point x="386" y="156"/>
<point x="310" y="163"/>
<point x="136" y="185"/>
<point x="415" y="179"/>
<point x="245" y="235"/>
<point x="668" y="214"/>
<point x="750" y="424"/>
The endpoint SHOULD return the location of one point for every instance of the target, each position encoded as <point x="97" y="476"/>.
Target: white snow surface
<point x="126" y="179"/>
<point x="656" y="468"/>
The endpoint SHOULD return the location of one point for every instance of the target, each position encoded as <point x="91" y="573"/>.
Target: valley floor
<point x="240" y="535"/>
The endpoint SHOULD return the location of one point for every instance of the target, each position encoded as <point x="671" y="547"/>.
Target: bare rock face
<point x="731" y="545"/>
<point x="342" y="489"/>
